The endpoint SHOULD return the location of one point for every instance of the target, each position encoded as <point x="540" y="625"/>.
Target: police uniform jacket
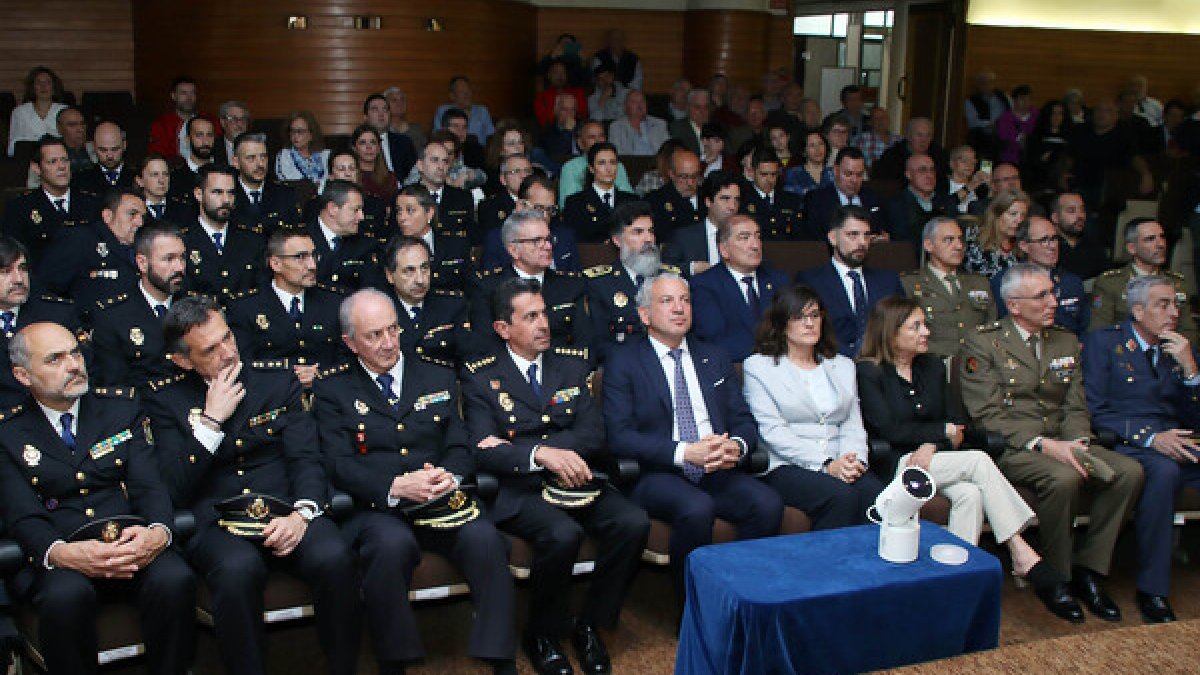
<point x="565" y="294"/>
<point x="93" y="179"/>
<point x="277" y="206"/>
<point x="1128" y="396"/>
<point x="451" y="267"/>
<point x="353" y="265"/>
<point x="183" y="182"/>
<point x="177" y="211"/>
<point x="441" y="334"/>
<point x="1073" y="312"/>
<point x="50" y="491"/>
<point x="128" y="342"/>
<point x="612" y="301"/>
<point x="1010" y="392"/>
<point x="499" y="402"/>
<point x="33" y="220"/>
<point x="368" y="441"/>
<point x="1109" y="306"/>
<point x="265" y="329"/>
<point x="456" y="213"/>
<point x="88" y="264"/>
<point x="951" y="316"/>
<point x="672" y="211"/>
<point x="221" y="275"/>
<point x="589" y="216"/>
<point x="494" y="210"/>
<point x="270" y="443"/>
<point x="375" y="223"/>
<point x="780" y="219"/>
<point x="37" y="308"/>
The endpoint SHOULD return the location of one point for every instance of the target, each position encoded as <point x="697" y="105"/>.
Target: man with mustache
<point x="613" y="289"/>
<point x="201" y="136"/>
<point x="223" y="257"/>
<point x="127" y="328"/>
<point x="293" y="317"/>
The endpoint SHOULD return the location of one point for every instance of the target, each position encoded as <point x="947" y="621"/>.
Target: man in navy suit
<point x="821" y="204"/>
<point x="675" y="405"/>
<point x="537" y="193"/>
<point x="848" y="289"/>
<point x="693" y="248"/>
<point x="1143" y="385"/>
<point x="398" y="150"/>
<point x="731" y="297"/>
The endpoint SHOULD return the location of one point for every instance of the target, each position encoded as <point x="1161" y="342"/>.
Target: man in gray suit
<point x="687" y="131"/>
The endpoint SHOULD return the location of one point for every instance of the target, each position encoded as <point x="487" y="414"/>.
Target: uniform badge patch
<point x="136" y="336"/>
<point x="262" y="321"/>
<point x="361" y="407"/>
<point x="102" y="250"/>
<point x="972" y="364"/>
<point x="32" y="456"/>
<point x="35" y="217"/>
<point x="620" y="299"/>
<point x="505" y="401"/>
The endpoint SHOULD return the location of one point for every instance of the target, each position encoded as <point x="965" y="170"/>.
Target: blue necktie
<point x="416" y="313"/>
<point x="61" y="206"/>
<point x="533" y="382"/>
<point x="111" y="176"/>
<point x="752" y="296"/>
<point x="217" y="236"/>
<point x="385" y="385"/>
<point x="7" y="318"/>
<point x="68" y="438"/>
<point x="294" y="309"/>
<point x="157" y="210"/>
<point x="860" y="303"/>
<point x="335" y="244"/>
<point x="160" y="310"/>
<point x="685" y="417"/>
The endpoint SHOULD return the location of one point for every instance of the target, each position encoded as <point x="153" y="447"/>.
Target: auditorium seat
<point x="596" y="254"/>
<point x="790" y="257"/>
<point x="897" y="256"/>
<point x="99" y="106"/>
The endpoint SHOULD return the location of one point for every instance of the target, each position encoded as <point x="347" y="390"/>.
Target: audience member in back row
<point x="907" y="212"/>
<point x="637" y="133"/>
<point x="847" y="189"/>
<point x="918" y="141"/>
<point x="905" y="402"/>
<point x="167" y="134"/>
<point x="805" y="400"/>
<point x="991" y="248"/>
<point x="38" y="114"/>
<point x="1079" y="248"/>
<point x="374" y="176"/>
<point x="305" y="158"/>
<point x="462" y="96"/>
<point x="815" y="171"/>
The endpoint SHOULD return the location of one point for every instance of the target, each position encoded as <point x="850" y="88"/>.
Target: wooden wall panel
<point x="730" y="42"/>
<point x="655" y="36"/>
<point x="243" y="50"/>
<point x="781" y="42"/>
<point x="89" y="44"/>
<point x="1098" y="62"/>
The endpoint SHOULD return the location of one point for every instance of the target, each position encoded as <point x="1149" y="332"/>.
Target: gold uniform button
<point x="545" y="419"/>
<point x="34" y="480"/>
<point x="241" y="472"/>
<point x="79" y="476"/>
<point x="399" y="427"/>
<point x="83" y="491"/>
<point x="90" y="513"/>
<point x="192" y="459"/>
<point x="512" y="419"/>
<point x="224" y="273"/>
<point x="437" y="418"/>
<point x="404" y="451"/>
<point x="245" y="491"/>
<point x="239" y="443"/>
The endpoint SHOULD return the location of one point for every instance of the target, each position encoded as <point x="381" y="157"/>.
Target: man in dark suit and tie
<point x="675" y="405"/>
<point x="677" y="204"/>
<point x="693" y="248"/>
<point x="821" y="204"/>
<point x="35" y="217"/>
<point x="533" y="423"/>
<point x="1143" y="386"/>
<point x="398" y="150"/>
<point x="687" y="130"/>
<point x="393" y="438"/>
<point x="110" y="171"/>
<point x="83" y="497"/>
<point x="848" y="289"/>
<point x="731" y="296"/>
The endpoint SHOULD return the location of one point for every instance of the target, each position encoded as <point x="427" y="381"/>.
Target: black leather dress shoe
<point x="1058" y="599"/>
<point x="1155" y="608"/>
<point x="546" y="655"/>
<point x="1086" y="585"/>
<point x="593" y="657"/>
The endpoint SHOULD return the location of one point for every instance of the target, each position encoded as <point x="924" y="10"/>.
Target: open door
<point x="929" y="64"/>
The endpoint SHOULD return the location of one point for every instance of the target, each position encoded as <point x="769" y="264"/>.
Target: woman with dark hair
<point x="804" y="396"/>
<point x="305" y="157"/>
<point x="814" y="172"/>
<point x="511" y="138"/>
<point x="38" y="115"/>
<point x="780" y="140"/>
<point x="1047" y="146"/>
<point x="1016" y="124"/>
<point x="903" y="393"/>
<point x="373" y="174"/>
<point x="587" y="211"/>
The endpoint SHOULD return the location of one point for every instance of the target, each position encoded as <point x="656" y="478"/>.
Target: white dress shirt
<point x="695" y="393"/>
<point x="846" y="199"/>
<point x="326" y="232"/>
<point x="737" y="279"/>
<point x="286" y="298"/>
<point x="848" y="283"/>
<point x="150" y="299"/>
<point x="66" y="199"/>
<point x="523" y="368"/>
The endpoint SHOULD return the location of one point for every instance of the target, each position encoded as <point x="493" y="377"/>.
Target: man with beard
<point x="433" y="322"/>
<point x="110" y="170"/>
<point x="168" y="136"/>
<point x="1146" y="243"/>
<point x="848" y="289"/>
<point x="201" y="135"/>
<point x="222" y="258"/>
<point x="613" y="289"/>
<point x="347" y="260"/>
<point x="731" y="297"/>
<point x="1080" y="251"/>
<point x="294" y="318"/>
<point x="127" y="328"/>
<point x="261" y="200"/>
<point x="18" y="309"/>
<point x="35" y="217"/>
<point x="95" y="262"/>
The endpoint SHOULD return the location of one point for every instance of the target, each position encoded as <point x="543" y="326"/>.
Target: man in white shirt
<point x="235" y="120"/>
<point x="637" y="133"/>
<point x="694" y="248"/>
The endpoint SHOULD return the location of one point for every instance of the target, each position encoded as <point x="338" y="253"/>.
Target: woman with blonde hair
<point x="992" y="248"/>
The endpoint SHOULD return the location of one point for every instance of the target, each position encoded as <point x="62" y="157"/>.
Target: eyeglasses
<point x="302" y="256"/>
<point x="1044" y="241"/>
<point x="536" y="241"/>
<point x="1045" y="295"/>
<point x="548" y="211"/>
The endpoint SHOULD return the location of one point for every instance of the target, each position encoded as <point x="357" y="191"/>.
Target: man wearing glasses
<point x="493" y="210"/>
<point x="1146" y="243"/>
<point x="235" y="120"/>
<point x="537" y="193"/>
<point x="676" y="204"/>
<point x="293" y="317"/>
<point x="528" y="240"/>
<point x="1023" y="377"/>
<point x="1037" y="243"/>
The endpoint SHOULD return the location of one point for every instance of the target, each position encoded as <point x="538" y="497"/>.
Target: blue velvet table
<point x="825" y="602"/>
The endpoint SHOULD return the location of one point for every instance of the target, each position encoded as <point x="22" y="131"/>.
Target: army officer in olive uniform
<point x="83" y="497"/>
<point x="1022" y="377"/>
<point x="1146" y="242"/>
<point x="955" y="302"/>
<point x="393" y="438"/>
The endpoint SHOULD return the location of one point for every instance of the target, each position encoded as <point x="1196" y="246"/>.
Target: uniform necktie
<point x="416" y="313"/>
<point x="68" y="437"/>
<point x="437" y="197"/>
<point x="608" y="199"/>
<point x="952" y="282"/>
<point x="385" y="385"/>
<point x="61" y="205"/>
<point x="157" y="210"/>
<point x="1152" y="357"/>
<point x="217" y="237"/>
<point x="1033" y="347"/>
<point x="685" y="417"/>
<point x="111" y="176"/>
<point x="533" y="382"/>
<point x="160" y="310"/>
<point x="770" y="199"/>
<point x="294" y="309"/>
<point x="752" y="296"/>
<point x="255" y="197"/>
<point x="335" y="243"/>
<point x="7" y="319"/>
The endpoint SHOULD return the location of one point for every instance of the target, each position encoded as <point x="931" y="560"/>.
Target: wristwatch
<point x="306" y="513"/>
<point x="1037" y="446"/>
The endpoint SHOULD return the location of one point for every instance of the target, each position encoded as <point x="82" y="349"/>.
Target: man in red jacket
<point x="166" y="132"/>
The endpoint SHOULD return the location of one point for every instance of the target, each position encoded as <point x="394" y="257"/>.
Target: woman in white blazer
<point x="805" y="399"/>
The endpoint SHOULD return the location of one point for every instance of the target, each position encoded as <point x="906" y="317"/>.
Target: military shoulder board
<point x="11" y="413"/>
<point x="476" y="365"/>
<point x="333" y="371"/>
<point x="119" y="392"/>
<point x="166" y="381"/>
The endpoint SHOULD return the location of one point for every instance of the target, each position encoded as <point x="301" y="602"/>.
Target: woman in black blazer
<point x="902" y="390"/>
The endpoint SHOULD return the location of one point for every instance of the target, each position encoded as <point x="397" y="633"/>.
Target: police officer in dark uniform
<point x="533" y="422"/>
<point x="612" y="289"/>
<point x="228" y="429"/>
<point x="493" y="210"/>
<point x="416" y="215"/>
<point x="1038" y="242"/>
<point x="223" y="257"/>
<point x="349" y="260"/>
<point x="779" y="213"/>
<point x="526" y="234"/>
<point x="374" y="224"/>
<point x="35" y="217"/>
<point x="293" y="316"/>
<point x="83" y="497"/>
<point x="153" y="180"/>
<point x="433" y="322"/>
<point x="587" y="212"/>
<point x="202" y="136"/>
<point x="456" y="207"/>
<point x="110" y="171"/>
<point x="393" y="437"/>
<point x="93" y="262"/>
<point x="261" y="200"/>
<point x="677" y="204"/>
<point x="539" y="193"/>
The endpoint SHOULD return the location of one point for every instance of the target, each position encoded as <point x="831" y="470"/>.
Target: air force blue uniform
<point x="1073" y="311"/>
